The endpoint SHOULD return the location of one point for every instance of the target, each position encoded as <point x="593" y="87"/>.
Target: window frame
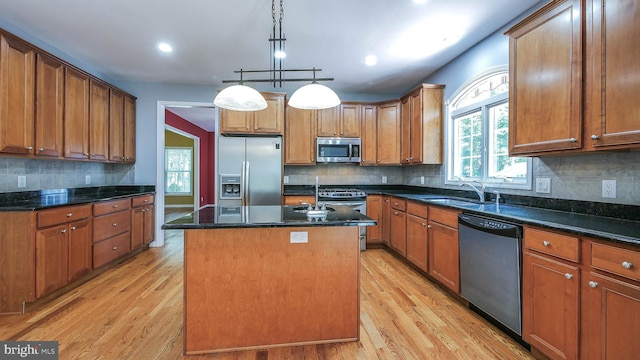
<point x="483" y="106"/>
<point x="166" y="171"/>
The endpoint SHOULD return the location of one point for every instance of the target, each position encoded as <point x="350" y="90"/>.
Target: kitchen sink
<point x="306" y="210"/>
<point x="453" y="202"/>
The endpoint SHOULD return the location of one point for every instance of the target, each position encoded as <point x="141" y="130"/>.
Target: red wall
<point x="207" y="158"/>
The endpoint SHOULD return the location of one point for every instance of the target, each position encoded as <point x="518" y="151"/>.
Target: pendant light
<point x="314" y="96"/>
<point x="240" y="98"/>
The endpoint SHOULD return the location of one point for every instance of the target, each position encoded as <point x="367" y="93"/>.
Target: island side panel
<point x="251" y="287"/>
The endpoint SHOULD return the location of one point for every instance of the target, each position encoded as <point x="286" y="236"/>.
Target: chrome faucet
<point x="480" y="191"/>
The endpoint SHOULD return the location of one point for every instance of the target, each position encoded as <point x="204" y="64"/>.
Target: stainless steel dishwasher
<point x="491" y="268"/>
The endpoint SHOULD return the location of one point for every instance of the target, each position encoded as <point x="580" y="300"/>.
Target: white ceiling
<point x="212" y="38"/>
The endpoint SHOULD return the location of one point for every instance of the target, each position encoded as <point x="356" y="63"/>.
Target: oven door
<point x="359" y="206"/>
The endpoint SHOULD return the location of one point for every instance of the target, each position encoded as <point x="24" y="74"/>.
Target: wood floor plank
<point x="134" y="311"/>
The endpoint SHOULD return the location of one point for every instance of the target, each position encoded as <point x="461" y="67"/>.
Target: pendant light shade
<point x="314" y="97"/>
<point x="240" y="98"/>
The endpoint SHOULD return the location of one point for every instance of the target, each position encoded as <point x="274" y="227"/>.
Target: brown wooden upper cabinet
<point x="300" y="137"/>
<point x="116" y="126"/>
<point x="17" y="96"/>
<point x="76" y="114"/>
<point x="388" y="133"/>
<point x="422" y="113"/>
<point x="369" y="134"/>
<point x="267" y="121"/>
<point x="340" y="121"/>
<point x="129" y="129"/>
<point x="49" y="106"/>
<point x="98" y="120"/>
<point x="547" y="92"/>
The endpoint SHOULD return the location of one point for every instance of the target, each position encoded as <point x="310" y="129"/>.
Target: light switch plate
<point x="299" y="237"/>
<point x="609" y="189"/>
<point x="543" y="185"/>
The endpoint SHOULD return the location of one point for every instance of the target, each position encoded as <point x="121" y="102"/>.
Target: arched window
<point x="478" y="135"/>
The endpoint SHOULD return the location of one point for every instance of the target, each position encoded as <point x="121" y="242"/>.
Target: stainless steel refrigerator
<point x="249" y="171"/>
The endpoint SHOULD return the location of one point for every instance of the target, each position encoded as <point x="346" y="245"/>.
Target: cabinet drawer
<point x="416" y="209"/>
<point x="142" y="200"/>
<point x="399" y="204"/>
<point x="110" y="249"/>
<point x="616" y="260"/>
<point x="63" y="215"/>
<point x="559" y="245"/>
<point x="444" y="216"/>
<point x="107" y="226"/>
<point x="107" y="207"/>
<point x="295" y="200"/>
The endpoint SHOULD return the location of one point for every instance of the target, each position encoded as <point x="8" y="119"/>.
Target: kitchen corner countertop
<point x="44" y="199"/>
<point x="220" y="217"/>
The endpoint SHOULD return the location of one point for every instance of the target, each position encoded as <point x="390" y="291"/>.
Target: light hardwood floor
<point x="134" y="311"/>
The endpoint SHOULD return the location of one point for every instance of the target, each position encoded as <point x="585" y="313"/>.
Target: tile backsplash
<point x="57" y="174"/>
<point x="573" y="177"/>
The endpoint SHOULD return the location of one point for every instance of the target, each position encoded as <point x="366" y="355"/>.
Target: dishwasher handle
<point x="490" y="226"/>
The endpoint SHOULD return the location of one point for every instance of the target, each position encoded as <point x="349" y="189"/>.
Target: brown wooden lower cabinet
<point x="399" y="231"/>
<point x="444" y="255"/>
<point x="293" y="200"/>
<point x="386" y="220"/>
<point x="52" y="252"/>
<point x="108" y="250"/>
<point x="80" y="259"/>
<point x="417" y="241"/>
<point x="142" y="221"/>
<point x="374" y="211"/>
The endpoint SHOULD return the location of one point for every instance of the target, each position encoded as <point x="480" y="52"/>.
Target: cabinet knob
<point x="334" y="133"/>
<point x="546" y="243"/>
<point x="395" y="213"/>
<point x="423" y="224"/>
<point x="573" y="139"/>
<point x="122" y="157"/>
<point x="428" y="226"/>
<point x="73" y="228"/>
<point x="594" y="137"/>
<point x="128" y="158"/>
<point x="41" y="149"/>
<point x="30" y="148"/>
<point x="93" y="154"/>
<point x="145" y="200"/>
<point x="593" y="284"/>
<point x="64" y="231"/>
<point x="114" y="248"/>
<point x="69" y="214"/>
<point x="568" y="276"/>
<point x="387" y="201"/>
<point x="115" y="224"/>
<point x="143" y="210"/>
<point x="86" y="154"/>
<point x="115" y="206"/>
<point x="627" y="265"/>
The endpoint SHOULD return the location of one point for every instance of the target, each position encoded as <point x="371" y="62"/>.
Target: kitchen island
<point x="266" y="276"/>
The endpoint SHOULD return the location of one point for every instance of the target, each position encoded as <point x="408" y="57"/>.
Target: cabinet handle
<point x="86" y="154"/>
<point x="387" y="201"/>
<point x="145" y="200"/>
<point x="627" y="265"/>
<point x="73" y="228"/>
<point x="573" y="140"/>
<point x="41" y="149"/>
<point x="396" y="213"/>
<point x="30" y="148"/>
<point x="115" y="206"/>
<point x="122" y="157"/>
<point x="93" y="154"/>
<point x="594" y="137"/>
<point x="114" y="248"/>
<point x="546" y="243"/>
<point x="423" y="224"/>
<point x="428" y="226"/>
<point x="568" y="276"/>
<point x="143" y="210"/>
<point x="69" y="214"/>
<point x="593" y="284"/>
<point x="115" y="224"/>
<point x="334" y="133"/>
<point x="64" y="231"/>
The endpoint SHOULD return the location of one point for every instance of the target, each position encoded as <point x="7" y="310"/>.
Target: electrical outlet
<point x="384" y="179"/>
<point x="87" y="179"/>
<point x="421" y="180"/>
<point x="543" y="185"/>
<point x="286" y="179"/>
<point x="22" y="181"/>
<point x="609" y="189"/>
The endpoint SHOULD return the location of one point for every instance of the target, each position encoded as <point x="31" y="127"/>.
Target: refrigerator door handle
<point x="247" y="185"/>
<point x="243" y="184"/>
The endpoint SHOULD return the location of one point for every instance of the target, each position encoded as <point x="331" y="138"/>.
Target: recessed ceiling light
<point x="419" y="1"/>
<point x="371" y="60"/>
<point x="164" y="47"/>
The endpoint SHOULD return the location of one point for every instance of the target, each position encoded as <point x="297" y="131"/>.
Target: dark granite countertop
<point x="44" y="199"/>
<point x="612" y="222"/>
<point x="220" y="217"/>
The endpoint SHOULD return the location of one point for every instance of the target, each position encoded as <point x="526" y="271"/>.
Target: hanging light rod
<point x="277" y="79"/>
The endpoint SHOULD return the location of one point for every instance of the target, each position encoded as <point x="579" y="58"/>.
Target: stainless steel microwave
<point x="338" y="150"/>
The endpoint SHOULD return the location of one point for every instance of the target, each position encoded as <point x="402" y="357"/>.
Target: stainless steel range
<point x="353" y="198"/>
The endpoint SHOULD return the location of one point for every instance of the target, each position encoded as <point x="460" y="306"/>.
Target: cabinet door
<point x="137" y="227"/>
<point x="350" y="120"/>
<point x="17" y="96"/>
<point x="415" y="122"/>
<point x="271" y="119"/>
<point x="444" y="255"/>
<point x="614" y="99"/>
<point x="49" y="106"/>
<point x="328" y="121"/>
<point x="388" y="136"/>
<point x="545" y="106"/>
<point x="129" y="129"/>
<point x="148" y="233"/>
<point x="386" y="220"/>
<point x="116" y="126"/>
<point x="405" y="124"/>
<point x="399" y="231"/>
<point x="298" y="200"/>
<point x="98" y="121"/>
<point x="369" y="135"/>
<point x="374" y="211"/>
<point x="417" y="241"/>
<point x="235" y="122"/>
<point x="550" y="306"/>
<point x="432" y="125"/>
<point x="52" y="247"/>
<point x="300" y="137"/>
<point x="80" y="256"/>
<point x="613" y="315"/>
<point x="76" y="115"/>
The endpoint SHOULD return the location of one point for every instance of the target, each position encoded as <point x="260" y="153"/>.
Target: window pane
<point x="178" y="168"/>
<point x="482" y="90"/>
<point x="467" y="152"/>
<point x="500" y="164"/>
